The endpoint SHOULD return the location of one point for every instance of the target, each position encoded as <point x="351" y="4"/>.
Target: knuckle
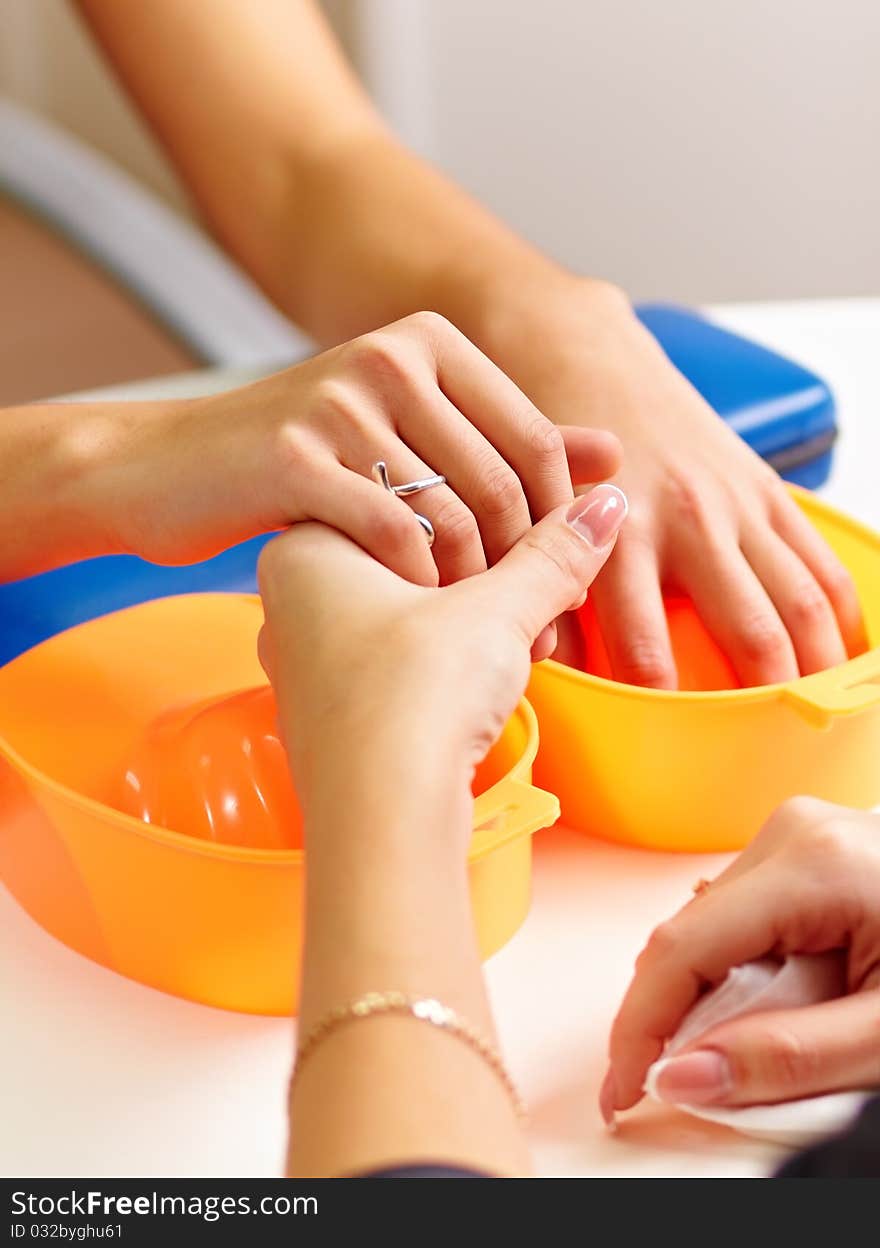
<point x="823" y="860"/>
<point x="687" y="500"/>
<point x="771" y="489"/>
<point x="381" y="357"/>
<point x="795" y="812"/>
<point x="815" y="845"/>
<point x="455" y="527"/>
<point x="840" y="585"/>
<point x="287" y="444"/>
<point x="337" y="405"/>
<point x="392" y="528"/>
<point x="567" y="556"/>
<point x="430" y="323"/>
<point x="545" y="443"/>
<point x="664" y="943"/>
<point x="810" y="607"/>
<point x="645" y="661"/>
<point x="825" y="842"/>
<point x="761" y="637"/>
<point x="782" y="1059"/>
<point x="500" y="493"/>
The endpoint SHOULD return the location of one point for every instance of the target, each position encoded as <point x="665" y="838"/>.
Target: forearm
<point x="371" y="233"/>
<point x="388" y="909"/>
<point x="300" y="180"/>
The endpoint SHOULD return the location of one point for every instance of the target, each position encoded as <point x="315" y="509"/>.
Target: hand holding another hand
<point x="366" y="664"/>
<point x="301" y="445"/>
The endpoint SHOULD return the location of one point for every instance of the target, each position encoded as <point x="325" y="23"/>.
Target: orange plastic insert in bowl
<point x="700" y="661"/>
<point x="211" y="911"/>
<point x="218" y="771"/>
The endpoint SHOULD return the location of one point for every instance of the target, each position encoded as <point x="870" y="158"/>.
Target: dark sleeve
<point x="425" y="1170"/>
<point x="854" y="1154"/>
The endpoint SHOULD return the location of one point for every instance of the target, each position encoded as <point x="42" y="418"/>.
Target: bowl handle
<point x="849" y="689"/>
<point x="515" y="806"/>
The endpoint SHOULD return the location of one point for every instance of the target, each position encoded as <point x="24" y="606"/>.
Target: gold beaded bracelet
<point x="424" y="1010"/>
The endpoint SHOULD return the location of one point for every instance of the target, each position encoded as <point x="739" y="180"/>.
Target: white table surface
<point x="100" y="1077"/>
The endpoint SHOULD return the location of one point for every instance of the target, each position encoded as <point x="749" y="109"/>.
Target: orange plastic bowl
<point x="701" y="769"/>
<point x="214" y="922"/>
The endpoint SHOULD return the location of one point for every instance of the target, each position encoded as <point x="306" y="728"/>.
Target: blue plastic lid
<point x="782" y="410"/>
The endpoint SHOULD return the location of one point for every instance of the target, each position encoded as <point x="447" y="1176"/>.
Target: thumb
<point x="778" y="1055"/>
<point x="550" y="567"/>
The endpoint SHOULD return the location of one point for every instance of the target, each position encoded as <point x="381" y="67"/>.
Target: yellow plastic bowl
<point x="215" y="923"/>
<point x="702" y="771"/>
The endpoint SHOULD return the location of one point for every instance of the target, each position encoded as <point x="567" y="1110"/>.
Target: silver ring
<point x="380" y="476"/>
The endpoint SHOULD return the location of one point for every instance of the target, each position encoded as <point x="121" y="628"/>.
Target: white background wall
<point x="694" y="149"/>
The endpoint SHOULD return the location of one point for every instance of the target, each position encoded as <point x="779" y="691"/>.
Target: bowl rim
<point x="755" y="693"/>
<point x="482" y="842"/>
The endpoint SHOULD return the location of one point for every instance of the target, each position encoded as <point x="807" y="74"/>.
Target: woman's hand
<point x="301" y="446"/>
<point x="365" y="662"/>
<point x="708" y="517"/>
<point x="388" y="694"/>
<point x="808" y="883"/>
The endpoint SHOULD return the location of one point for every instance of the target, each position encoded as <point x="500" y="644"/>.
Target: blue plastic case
<point x="783" y="411"/>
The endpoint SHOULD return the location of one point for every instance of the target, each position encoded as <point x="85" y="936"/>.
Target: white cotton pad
<point x="768" y="985"/>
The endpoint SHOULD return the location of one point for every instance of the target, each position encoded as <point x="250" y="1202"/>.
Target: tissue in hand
<point x="799" y="980"/>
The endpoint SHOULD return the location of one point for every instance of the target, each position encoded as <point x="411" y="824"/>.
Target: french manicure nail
<point x="696" y="1078"/>
<point x="607" y="1097"/>
<point x="597" y="516"/>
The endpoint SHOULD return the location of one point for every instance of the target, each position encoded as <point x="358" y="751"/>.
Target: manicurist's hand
<point x="708" y="517"/>
<point x="301" y="445"/>
<point x="360" y="656"/>
<point x="808" y="883"/>
<point x="389" y="693"/>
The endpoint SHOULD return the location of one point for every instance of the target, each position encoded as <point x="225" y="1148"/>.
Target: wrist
<point x="401" y="736"/>
<point x="570" y="346"/>
<point x="387" y="866"/>
<point x="567" y="314"/>
<point x="383" y="788"/>
<point x="140" y="484"/>
<point x="533" y="322"/>
<point x="390" y="792"/>
<point x="82" y="453"/>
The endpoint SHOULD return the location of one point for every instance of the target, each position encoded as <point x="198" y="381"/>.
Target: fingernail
<point x="607" y="1097"/>
<point x="597" y="516"/>
<point x="697" y="1078"/>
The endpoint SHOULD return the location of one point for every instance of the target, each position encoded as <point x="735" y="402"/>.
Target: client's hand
<point x="708" y="518"/>
<point x="363" y="660"/>
<point x="187" y="480"/>
<point x="808" y="883"/>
